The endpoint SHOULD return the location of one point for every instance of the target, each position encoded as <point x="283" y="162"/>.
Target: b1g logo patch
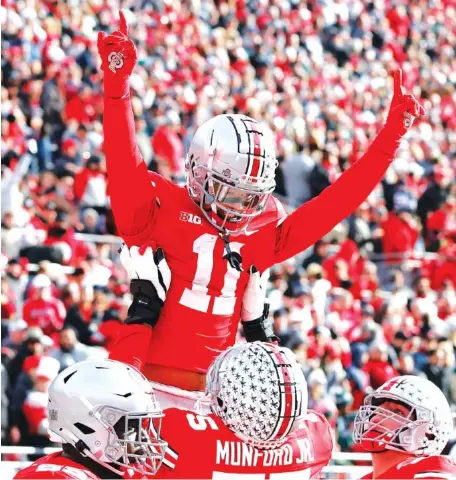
<point x="115" y="61"/>
<point x="190" y="218"/>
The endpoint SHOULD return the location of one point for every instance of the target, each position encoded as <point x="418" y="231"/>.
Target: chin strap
<point x="233" y="258"/>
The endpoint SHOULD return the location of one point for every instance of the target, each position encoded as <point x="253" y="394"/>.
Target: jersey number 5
<point x="201" y="422"/>
<point x="197" y="298"/>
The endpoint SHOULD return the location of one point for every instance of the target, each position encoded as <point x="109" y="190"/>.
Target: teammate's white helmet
<point x="231" y="167"/>
<point x="107" y="411"/>
<point x="425" y="431"/>
<point x="259" y="391"/>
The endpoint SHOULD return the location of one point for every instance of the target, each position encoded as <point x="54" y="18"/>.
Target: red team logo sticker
<point x="408" y="120"/>
<point x="115" y="61"/>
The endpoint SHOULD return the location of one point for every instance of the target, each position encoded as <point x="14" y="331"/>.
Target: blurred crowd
<point x="375" y="298"/>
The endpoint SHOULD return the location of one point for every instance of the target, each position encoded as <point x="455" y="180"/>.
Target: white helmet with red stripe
<point x="259" y="391"/>
<point x="230" y="168"/>
<point x="422" y="426"/>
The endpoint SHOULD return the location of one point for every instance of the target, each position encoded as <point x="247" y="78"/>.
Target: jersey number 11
<point x="197" y="298"/>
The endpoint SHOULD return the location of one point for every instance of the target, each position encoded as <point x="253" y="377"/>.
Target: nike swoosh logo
<point x="247" y="233"/>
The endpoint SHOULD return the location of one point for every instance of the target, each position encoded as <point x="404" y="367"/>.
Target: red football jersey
<point x="56" y="466"/>
<point x="425" y="468"/>
<point x="202" y="447"/>
<point x="202" y="309"/>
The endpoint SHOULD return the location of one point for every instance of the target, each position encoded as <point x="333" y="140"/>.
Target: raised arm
<point x="131" y="192"/>
<point x="316" y="218"/>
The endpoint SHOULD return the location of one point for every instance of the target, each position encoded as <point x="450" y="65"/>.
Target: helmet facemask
<point x="379" y="429"/>
<point x="133" y="441"/>
<point x="228" y="204"/>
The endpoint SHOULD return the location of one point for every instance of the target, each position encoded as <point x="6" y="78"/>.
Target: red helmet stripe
<point x="288" y="397"/>
<point x="256" y="155"/>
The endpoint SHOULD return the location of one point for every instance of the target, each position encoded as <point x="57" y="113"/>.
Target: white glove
<point x="147" y="266"/>
<point x="254" y="295"/>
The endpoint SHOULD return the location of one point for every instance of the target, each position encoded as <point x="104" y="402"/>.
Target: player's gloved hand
<point x="118" y="58"/>
<point x="255" y="309"/>
<point x="150" y="277"/>
<point x="403" y="110"/>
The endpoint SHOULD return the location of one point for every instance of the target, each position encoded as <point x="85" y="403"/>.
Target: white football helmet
<point x="230" y="169"/>
<point x="108" y="412"/>
<point x="259" y="391"/>
<point x="426" y="429"/>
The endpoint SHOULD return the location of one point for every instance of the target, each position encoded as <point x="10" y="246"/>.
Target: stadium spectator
<point x="377" y="366"/>
<point x="436" y="194"/>
<point x="42" y="309"/>
<point x="31" y="346"/>
<point x="297" y="169"/>
<point x="396" y="348"/>
<point x="35" y="406"/>
<point x="90" y="185"/>
<point x="435" y="367"/>
<point x="71" y="298"/>
<point x="15" y="336"/>
<point x="319" y="398"/>
<point x="70" y="350"/>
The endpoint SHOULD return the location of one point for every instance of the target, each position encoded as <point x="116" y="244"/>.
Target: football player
<point x="105" y="414"/>
<point x="258" y="423"/>
<point x="405" y="425"/>
<point x="224" y="221"/>
<point x="150" y="278"/>
<point x="253" y="417"/>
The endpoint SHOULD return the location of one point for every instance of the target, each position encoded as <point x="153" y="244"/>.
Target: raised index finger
<point x="123" y="23"/>
<point x="398" y="82"/>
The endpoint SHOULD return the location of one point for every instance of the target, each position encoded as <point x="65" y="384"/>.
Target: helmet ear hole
<point x="219" y="402"/>
<point x="86" y="430"/>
